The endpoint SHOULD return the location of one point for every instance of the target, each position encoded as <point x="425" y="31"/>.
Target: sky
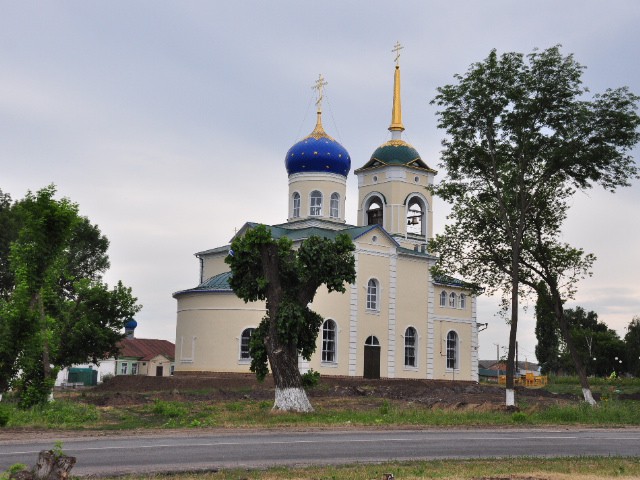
<point x="168" y="122"/>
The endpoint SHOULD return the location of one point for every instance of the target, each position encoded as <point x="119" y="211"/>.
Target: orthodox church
<point x="396" y="321"/>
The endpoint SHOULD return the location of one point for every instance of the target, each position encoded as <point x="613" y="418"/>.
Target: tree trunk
<point x="49" y="467"/>
<point x="510" y="400"/>
<point x="558" y="310"/>
<point x="283" y="359"/>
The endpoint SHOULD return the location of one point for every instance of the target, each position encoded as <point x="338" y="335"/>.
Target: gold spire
<point x="319" y="132"/>
<point x="396" y="113"/>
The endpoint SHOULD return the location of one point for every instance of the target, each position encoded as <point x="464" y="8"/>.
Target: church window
<point x="245" y="338"/>
<point x="296" y="205"/>
<point x="416" y="217"/>
<point x="443" y="298"/>
<point x="374" y="212"/>
<point x="452" y="300"/>
<point x="329" y="341"/>
<point x="335" y="206"/>
<point x="316" y="204"/>
<point x="410" y="336"/>
<point x="462" y="301"/>
<point x="452" y="350"/>
<point x="372" y="294"/>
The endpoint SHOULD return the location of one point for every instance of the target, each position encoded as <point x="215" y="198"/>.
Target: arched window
<point x="315" y="209"/>
<point x="443" y="298"/>
<point x="410" y="340"/>
<point x="372" y="341"/>
<point x="416" y="217"/>
<point x="462" y="301"/>
<point x="244" y="343"/>
<point x="295" y="213"/>
<point x="374" y="211"/>
<point x="452" y="350"/>
<point x="452" y="299"/>
<point x="372" y="294"/>
<point x="329" y="341"/>
<point x="334" y="210"/>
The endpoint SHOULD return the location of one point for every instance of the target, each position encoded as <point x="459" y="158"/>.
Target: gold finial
<point x="396" y="50"/>
<point x="319" y="132"/>
<point x="396" y="126"/>
<point x="319" y="86"/>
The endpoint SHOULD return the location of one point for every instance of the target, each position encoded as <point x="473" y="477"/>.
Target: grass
<point x="581" y="468"/>
<point x="66" y="414"/>
<point x="607" y="387"/>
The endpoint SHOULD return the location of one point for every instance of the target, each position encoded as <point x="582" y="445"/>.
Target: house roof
<point x="146" y="348"/>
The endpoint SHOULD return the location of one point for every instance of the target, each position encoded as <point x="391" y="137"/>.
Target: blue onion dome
<point x="131" y="324"/>
<point x="318" y="152"/>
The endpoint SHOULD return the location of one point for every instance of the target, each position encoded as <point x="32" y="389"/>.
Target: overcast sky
<point x="168" y="122"/>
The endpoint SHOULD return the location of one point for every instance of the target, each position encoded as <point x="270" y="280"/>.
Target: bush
<point x="4" y="417"/>
<point x="310" y="379"/>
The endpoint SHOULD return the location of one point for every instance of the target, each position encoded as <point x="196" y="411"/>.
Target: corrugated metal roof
<point x="146" y="348"/>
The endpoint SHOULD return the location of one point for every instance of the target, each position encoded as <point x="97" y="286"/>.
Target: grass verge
<point x="581" y="468"/>
<point x="64" y="414"/>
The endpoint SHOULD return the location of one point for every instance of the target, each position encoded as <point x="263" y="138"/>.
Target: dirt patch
<point x="128" y="390"/>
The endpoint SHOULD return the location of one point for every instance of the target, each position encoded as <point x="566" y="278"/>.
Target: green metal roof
<point x="396" y="152"/>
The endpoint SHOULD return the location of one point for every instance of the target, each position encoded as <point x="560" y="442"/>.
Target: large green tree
<point x="599" y="347"/>
<point x="520" y="134"/>
<point x="57" y="311"/>
<point x="547" y="333"/>
<point x="264" y="268"/>
<point x="632" y="346"/>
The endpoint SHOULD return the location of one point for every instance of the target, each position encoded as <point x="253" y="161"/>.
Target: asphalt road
<point x="193" y="450"/>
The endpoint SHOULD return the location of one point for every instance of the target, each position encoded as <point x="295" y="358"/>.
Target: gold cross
<point x="320" y="84"/>
<point x="396" y="50"/>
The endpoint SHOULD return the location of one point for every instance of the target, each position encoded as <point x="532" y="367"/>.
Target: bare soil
<point x="125" y="390"/>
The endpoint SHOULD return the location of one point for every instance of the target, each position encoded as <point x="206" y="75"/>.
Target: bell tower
<point x="392" y="185"/>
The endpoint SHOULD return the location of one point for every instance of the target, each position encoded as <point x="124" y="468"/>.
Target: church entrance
<point x="159" y="371"/>
<point x="372" y="358"/>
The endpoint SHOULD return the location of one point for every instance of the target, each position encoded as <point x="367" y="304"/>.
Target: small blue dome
<point x="318" y="153"/>
<point x="131" y="324"/>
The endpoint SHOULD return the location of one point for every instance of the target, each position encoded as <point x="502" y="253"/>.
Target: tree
<point x="596" y="344"/>
<point x="632" y="346"/>
<point x="547" y="333"/>
<point x="57" y="312"/>
<point x="264" y="268"/>
<point x="520" y="134"/>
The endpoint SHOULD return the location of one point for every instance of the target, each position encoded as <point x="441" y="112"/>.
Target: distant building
<point x="138" y="356"/>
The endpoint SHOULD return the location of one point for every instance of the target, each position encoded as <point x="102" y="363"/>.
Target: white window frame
<point x="134" y="368"/>
<point x="334" y="205"/>
<point x="453" y="350"/>
<point x="242" y="350"/>
<point x="452" y="300"/>
<point x="443" y="298"/>
<point x="462" y="301"/>
<point x="373" y="295"/>
<point x="413" y="347"/>
<point x="295" y="209"/>
<point x="315" y="203"/>
<point x="124" y="367"/>
<point x="329" y="345"/>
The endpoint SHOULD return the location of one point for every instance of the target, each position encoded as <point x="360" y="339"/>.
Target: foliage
<point x="54" y="309"/>
<point x="264" y="268"/>
<point x="547" y="333"/>
<point x="521" y="138"/>
<point x="597" y="344"/>
<point x="310" y="379"/>
<point x="4" y="416"/>
<point x="13" y="469"/>
<point x="632" y="346"/>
